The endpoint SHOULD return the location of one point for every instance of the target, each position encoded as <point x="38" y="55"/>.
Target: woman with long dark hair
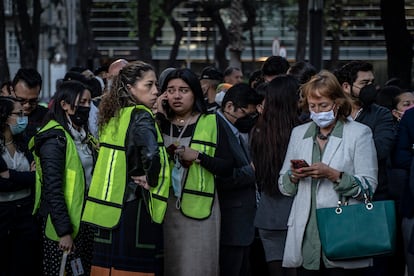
<point x="198" y="151"/>
<point x="269" y="141"/>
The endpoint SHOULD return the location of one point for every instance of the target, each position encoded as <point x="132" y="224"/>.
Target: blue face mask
<point x="20" y="126"/>
<point x="176" y="175"/>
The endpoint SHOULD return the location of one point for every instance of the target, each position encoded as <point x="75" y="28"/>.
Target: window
<point x="8" y="8"/>
<point x="12" y="46"/>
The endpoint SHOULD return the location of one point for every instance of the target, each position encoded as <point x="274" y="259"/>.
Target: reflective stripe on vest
<point x="199" y="187"/>
<point x="106" y="193"/>
<point x="159" y="194"/>
<point x="73" y="183"/>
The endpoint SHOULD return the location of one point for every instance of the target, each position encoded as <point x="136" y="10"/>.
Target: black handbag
<point x="360" y="230"/>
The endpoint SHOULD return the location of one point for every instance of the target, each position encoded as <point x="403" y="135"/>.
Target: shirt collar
<point x="232" y="127"/>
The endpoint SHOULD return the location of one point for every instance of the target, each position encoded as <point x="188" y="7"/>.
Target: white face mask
<point x="323" y="119"/>
<point x="220" y="97"/>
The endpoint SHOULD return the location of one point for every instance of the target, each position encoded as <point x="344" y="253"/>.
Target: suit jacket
<point x="353" y="153"/>
<point x="379" y="119"/>
<point x="237" y="195"/>
<point x="403" y="159"/>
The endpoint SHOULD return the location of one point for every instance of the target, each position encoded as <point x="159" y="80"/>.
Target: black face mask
<point x="367" y="94"/>
<point x="81" y="116"/>
<point x="246" y="123"/>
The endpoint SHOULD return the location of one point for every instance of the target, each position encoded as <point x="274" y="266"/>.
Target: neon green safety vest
<point x="73" y="183"/>
<point x="106" y="193"/>
<point x="199" y="187"/>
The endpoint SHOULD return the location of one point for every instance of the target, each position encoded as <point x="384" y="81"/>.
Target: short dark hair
<point x="229" y="70"/>
<point x="241" y="95"/>
<point x="92" y="84"/>
<point x="349" y="72"/>
<point x="211" y="73"/>
<point x="388" y="96"/>
<point x="30" y="76"/>
<point x="275" y="65"/>
<point x="302" y="71"/>
<point x="256" y="77"/>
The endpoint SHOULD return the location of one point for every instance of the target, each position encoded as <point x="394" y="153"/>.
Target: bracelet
<point x="291" y="176"/>
<point x="339" y="179"/>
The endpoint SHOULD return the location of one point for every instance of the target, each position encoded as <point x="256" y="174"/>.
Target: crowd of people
<point x="131" y="172"/>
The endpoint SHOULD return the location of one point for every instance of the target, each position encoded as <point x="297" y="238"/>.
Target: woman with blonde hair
<point x="324" y="158"/>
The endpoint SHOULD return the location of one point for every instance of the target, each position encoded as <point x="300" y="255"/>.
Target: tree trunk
<point x="235" y="33"/>
<point x="336" y="15"/>
<point x="86" y="44"/>
<point x="178" y="31"/>
<point x="250" y="10"/>
<point x="398" y="41"/>
<point x="144" y="29"/>
<point x="221" y="46"/>
<point x="4" y="66"/>
<point x="27" y="32"/>
<point x="302" y="30"/>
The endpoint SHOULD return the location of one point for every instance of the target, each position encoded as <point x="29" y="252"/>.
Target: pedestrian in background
<point x="18" y="228"/>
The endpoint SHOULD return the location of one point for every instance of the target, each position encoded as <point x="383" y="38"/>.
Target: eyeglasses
<point x="19" y="114"/>
<point x="31" y="102"/>
<point x="252" y="114"/>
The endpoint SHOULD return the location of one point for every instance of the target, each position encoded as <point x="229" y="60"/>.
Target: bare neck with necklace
<point x="181" y="123"/>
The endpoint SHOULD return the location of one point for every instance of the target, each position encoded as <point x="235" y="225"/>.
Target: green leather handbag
<point x="360" y="230"/>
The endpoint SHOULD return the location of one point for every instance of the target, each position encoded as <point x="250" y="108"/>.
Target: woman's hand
<point x="141" y="181"/>
<point x="66" y="243"/>
<point x="160" y="107"/>
<point x="319" y="170"/>
<point x="186" y="153"/>
<point x="33" y="166"/>
<point x="5" y="174"/>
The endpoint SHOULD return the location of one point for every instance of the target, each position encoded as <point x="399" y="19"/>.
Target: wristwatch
<point x="339" y="179"/>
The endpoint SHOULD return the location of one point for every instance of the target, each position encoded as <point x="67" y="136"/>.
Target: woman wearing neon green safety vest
<point x="198" y="151"/>
<point x="130" y="178"/>
<point x="64" y="162"/>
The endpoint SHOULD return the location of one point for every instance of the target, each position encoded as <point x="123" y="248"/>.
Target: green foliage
<point x="156" y="13"/>
<point x="133" y="18"/>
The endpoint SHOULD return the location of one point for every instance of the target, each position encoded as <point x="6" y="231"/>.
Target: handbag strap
<point x="366" y="192"/>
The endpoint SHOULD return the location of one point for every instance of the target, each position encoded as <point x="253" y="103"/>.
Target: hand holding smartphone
<point x="299" y="163"/>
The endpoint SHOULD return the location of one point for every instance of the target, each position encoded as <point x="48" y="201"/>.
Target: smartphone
<point x="299" y="163"/>
<point x="164" y="103"/>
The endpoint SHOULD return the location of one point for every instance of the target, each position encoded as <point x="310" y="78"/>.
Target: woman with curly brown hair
<point x="128" y="166"/>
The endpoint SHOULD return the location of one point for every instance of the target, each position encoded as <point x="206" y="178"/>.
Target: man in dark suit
<point x="403" y="157"/>
<point x="357" y="80"/>
<point x="237" y="194"/>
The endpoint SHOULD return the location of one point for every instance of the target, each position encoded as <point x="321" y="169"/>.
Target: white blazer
<point x="353" y="153"/>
